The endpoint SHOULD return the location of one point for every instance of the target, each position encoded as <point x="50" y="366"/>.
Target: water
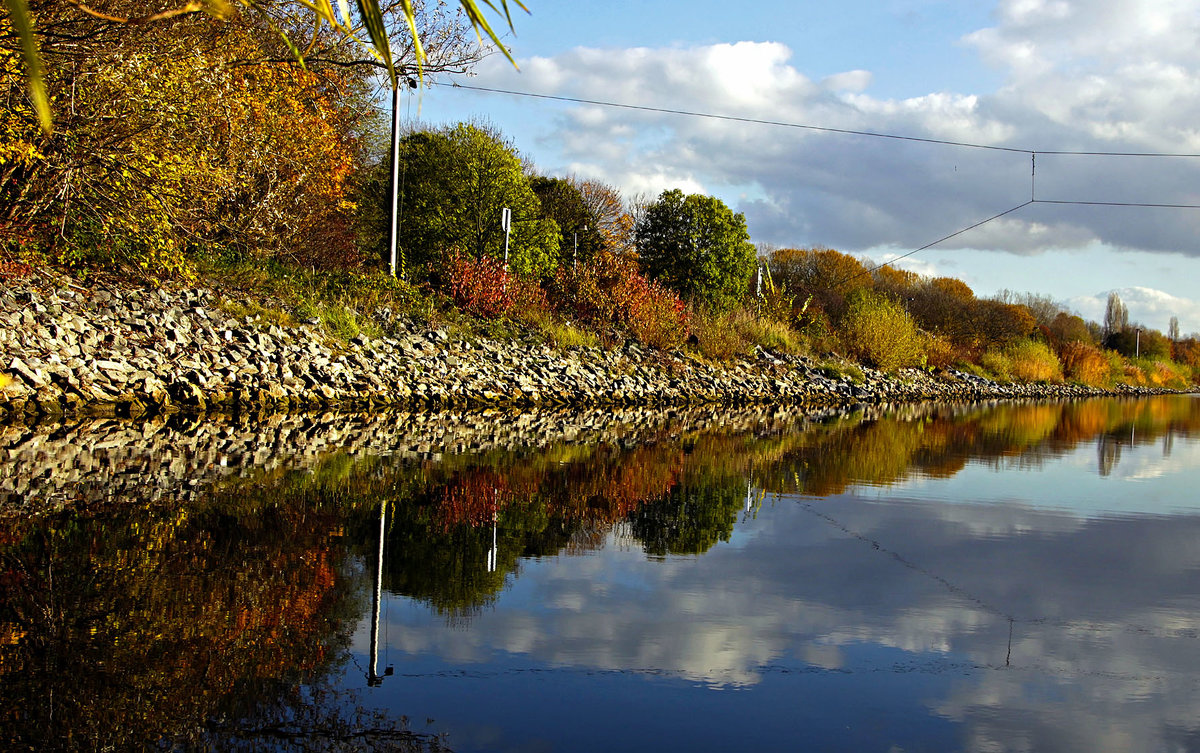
<point x="1008" y="577"/>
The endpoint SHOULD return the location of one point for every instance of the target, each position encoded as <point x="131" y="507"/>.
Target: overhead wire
<point x="1033" y="153"/>
<point x="809" y="127"/>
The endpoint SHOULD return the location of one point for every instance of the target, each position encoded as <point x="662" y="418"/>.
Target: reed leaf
<point x="18" y="10"/>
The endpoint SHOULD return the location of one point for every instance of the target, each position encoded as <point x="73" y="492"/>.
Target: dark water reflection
<point x="1016" y="577"/>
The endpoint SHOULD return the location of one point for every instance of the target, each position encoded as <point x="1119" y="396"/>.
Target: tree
<point x="614" y="224"/>
<point x="272" y="18"/>
<point x="1043" y="308"/>
<point x="197" y="136"/>
<point x="826" y="276"/>
<point x="563" y="202"/>
<point x="696" y="246"/>
<point x="1116" y="315"/>
<point x="457" y="181"/>
<point x="590" y="215"/>
<point x="1066" y="328"/>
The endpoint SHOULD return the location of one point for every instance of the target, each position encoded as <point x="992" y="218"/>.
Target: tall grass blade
<point x="18" y="10"/>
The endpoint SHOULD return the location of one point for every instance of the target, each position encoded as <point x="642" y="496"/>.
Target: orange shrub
<point x="1085" y="364"/>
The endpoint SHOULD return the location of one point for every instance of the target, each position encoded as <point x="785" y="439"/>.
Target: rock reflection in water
<point x="225" y="606"/>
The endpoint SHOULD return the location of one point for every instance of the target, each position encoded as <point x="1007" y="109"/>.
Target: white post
<point x="506" y="225"/>
<point x="493" y="552"/>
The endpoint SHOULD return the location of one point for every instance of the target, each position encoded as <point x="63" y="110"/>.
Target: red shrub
<point x="481" y="287"/>
<point x="610" y="290"/>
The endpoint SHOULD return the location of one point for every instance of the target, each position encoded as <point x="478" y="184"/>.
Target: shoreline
<point x="71" y="351"/>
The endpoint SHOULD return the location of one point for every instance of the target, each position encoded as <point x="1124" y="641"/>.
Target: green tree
<point x="457" y="181"/>
<point x="563" y="202"/>
<point x="696" y="246"/>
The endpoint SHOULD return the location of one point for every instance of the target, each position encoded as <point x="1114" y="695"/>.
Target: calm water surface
<point x="1011" y="577"/>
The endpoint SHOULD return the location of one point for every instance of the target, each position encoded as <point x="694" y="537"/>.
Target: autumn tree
<point x="894" y="282"/>
<point x="1043" y="308"/>
<point x="1066" y="328"/>
<point x="829" y="277"/>
<point x="998" y="324"/>
<point x="457" y="181"/>
<point x="607" y="211"/>
<point x="278" y="22"/>
<point x="192" y="136"/>
<point x="944" y="306"/>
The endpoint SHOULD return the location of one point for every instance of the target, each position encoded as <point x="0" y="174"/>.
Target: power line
<point x="879" y="135"/>
<point x="808" y="127"/>
<point x="1116" y="204"/>
<point x="737" y="119"/>
<point x="944" y="238"/>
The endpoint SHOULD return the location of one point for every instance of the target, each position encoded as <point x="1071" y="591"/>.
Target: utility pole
<point x="394" y="225"/>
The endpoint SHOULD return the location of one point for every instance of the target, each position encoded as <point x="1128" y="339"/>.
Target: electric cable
<point x="808" y="127"/>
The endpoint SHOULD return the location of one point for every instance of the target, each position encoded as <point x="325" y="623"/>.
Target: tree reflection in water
<point x="220" y="623"/>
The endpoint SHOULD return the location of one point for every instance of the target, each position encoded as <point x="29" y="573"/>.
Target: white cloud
<point x="1149" y="307"/>
<point x="1079" y="75"/>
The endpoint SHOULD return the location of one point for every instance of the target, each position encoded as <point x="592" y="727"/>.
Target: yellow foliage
<point x="880" y="332"/>
<point x="1085" y="364"/>
<point x="180" y="140"/>
<point x="1023" y="361"/>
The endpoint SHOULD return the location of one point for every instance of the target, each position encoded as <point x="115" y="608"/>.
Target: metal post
<point x="395" y="177"/>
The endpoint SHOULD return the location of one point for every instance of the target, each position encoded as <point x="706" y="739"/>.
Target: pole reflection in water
<point x="374" y="679"/>
<point x="494" y="552"/>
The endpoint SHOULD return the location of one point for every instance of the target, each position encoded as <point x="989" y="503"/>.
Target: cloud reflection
<point x="1069" y="633"/>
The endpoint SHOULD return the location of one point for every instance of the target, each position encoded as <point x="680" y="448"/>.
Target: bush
<point x="1086" y="364"/>
<point x="724" y="334"/>
<point x="997" y="364"/>
<point x="1034" y="361"/>
<point x="1157" y="373"/>
<point x="1023" y="361"/>
<point x="479" y="286"/>
<point x="879" y="332"/>
<point x="940" y="353"/>
<point x="654" y="314"/>
<point x="610" y="290"/>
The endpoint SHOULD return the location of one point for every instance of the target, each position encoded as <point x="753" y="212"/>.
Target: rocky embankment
<point x="181" y="457"/>
<point x="71" y="350"/>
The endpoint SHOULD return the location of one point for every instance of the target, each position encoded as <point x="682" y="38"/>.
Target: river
<point x="1001" y="577"/>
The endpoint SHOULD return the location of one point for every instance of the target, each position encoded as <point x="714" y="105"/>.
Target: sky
<point x="1016" y="79"/>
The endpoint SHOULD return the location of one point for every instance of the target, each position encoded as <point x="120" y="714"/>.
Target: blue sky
<point x="1088" y="75"/>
